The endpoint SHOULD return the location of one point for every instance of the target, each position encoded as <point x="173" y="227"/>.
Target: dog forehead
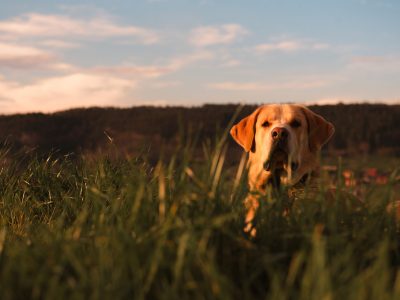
<point x="291" y="111"/>
<point x="270" y="112"/>
<point x="279" y="112"/>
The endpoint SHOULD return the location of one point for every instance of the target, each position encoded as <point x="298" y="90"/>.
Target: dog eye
<point x="295" y="124"/>
<point x="265" y="124"/>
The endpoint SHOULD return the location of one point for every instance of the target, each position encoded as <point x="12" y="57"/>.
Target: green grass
<point x="120" y="228"/>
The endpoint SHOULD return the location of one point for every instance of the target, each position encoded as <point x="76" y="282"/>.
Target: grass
<point x="112" y="228"/>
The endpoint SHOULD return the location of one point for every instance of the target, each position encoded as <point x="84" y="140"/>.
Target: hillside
<point x="363" y="128"/>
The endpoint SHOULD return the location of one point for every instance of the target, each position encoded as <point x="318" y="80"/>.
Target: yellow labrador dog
<point x="283" y="142"/>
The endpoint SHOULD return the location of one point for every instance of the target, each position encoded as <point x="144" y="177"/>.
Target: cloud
<point x="154" y="71"/>
<point x="13" y="55"/>
<point x="289" y="46"/>
<point x="185" y="60"/>
<point x="226" y="58"/>
<point x="214" y="35"/>
<point x="83" y="87"/>
<point x="59" y="44"/>
<point x="135" y="71"/>
<point x="348" y="100"/>
<point x="153" y="102"/>
<point x="18" y="56"/>
<point x="26" y="57"/>
<point x="376" y="63"/>
<point x="231" y="63"/>
<point x="41" y="25"/>
<point x="263" y="86"/>
<point x="63" y="92"/>
<point x="375" y="60"/>
<point x="166" y="84"/>
<point x="281" y="46"/>
<point x="332" y="101"/>
<point x="369" y="59"/>
<point x="319" y="46"/>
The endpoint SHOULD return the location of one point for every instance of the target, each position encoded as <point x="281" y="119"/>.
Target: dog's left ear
<point x="319" y="130"/>
<point x="244" y="131"/>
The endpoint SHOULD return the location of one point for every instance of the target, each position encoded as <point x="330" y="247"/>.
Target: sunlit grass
<point x="123" y="228"/>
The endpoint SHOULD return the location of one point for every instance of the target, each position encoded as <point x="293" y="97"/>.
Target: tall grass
<point x="122" y="228"/>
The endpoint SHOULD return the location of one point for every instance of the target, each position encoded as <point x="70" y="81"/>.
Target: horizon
<point x="81" y="54"/>
<point x="190" y="106"/>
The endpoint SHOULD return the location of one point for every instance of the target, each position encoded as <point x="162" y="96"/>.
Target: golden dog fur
<point x="283" y="142"/>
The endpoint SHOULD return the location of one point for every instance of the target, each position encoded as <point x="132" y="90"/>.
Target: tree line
<point x="359" y="127"/>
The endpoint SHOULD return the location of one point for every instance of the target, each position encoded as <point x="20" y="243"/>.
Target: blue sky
<point x="57" y="55"/>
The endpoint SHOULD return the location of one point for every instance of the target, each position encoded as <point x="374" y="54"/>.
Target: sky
<point x="57" y="55"/>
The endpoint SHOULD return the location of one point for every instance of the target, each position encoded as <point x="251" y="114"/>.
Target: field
<point x="115" y="228"/>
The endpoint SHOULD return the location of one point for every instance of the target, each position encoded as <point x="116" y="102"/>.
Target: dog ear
<point x="319" y="130"/>
<point x="244" y="131"/>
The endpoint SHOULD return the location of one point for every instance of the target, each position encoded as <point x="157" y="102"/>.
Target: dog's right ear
<point x="244" y="131"/>
<point x="319" y="130"/>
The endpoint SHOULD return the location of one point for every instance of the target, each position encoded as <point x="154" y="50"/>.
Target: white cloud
<point x="353" y="100"/>
<point x="289" y="46"/>
<point x="153" y="102"/>
<point x="132" y="71"/>
<point x="63" y="92"/>
<point x="27" y="57"/>
<point x="331" y="101"/>
<point x="319" y="46"/>
<point x="154" y="71"/>
<point x="40" y="25"/>
<point x="375" y="63"/>
<point x="59" y="44"/>
<point x="227" y="59"/>
<point x="185" y="60"/>
<point x="231" y="63"/>
<point x="83" y="87"/>
<point x="18" y="56"/>
<point x="13" y="55"/>
<point x="264" y="86"/>
<point x="213" y="35"/>
<point x="166" y="84"/>
<point x="369" y="59"/>
<point x="280" y="46"/>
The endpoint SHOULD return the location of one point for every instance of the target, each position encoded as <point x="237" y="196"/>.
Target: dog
<point x="283" y="142"/>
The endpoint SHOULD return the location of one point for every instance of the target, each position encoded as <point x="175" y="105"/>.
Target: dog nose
<point x="279" y="133"/>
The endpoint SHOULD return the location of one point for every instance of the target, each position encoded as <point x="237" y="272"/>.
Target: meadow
<point x="114" y="227"/>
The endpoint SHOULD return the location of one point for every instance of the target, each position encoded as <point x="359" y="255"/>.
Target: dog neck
<point x="259" y="179"/>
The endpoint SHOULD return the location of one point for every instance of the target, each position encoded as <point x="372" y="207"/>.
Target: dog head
<point x="283" y="140"/>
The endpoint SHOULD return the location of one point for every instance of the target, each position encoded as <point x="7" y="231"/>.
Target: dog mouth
<point x="276" y="160"/>
<point x="279" y="161"/>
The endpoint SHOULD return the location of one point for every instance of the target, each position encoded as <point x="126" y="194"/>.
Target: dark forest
<point x="360" y="128"/>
